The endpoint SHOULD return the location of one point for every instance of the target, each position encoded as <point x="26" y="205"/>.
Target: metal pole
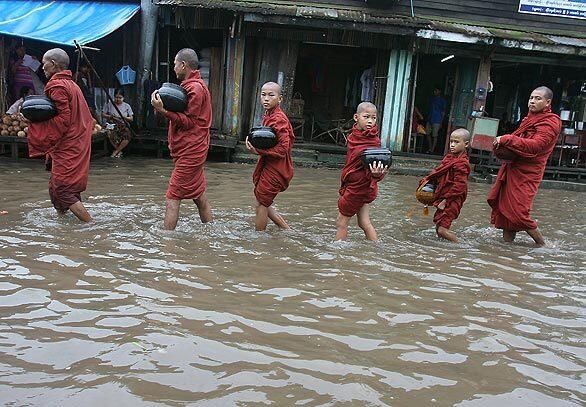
<point x="101" y="83"/>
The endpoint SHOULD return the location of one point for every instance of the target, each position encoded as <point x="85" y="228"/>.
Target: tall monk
<point x="274" y="169"/>
<point x="65" y="139"/>
<point x="189" y="140"/>
<point x="511" y="197"/>
<point x="451" y="180"/>
<point x="359" y="184"/>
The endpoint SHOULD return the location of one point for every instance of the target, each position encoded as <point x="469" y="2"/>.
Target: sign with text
<point x="558" y="8"/>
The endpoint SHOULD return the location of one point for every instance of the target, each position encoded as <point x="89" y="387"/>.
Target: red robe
<point x="66" y="139"/>
<point x="511" y="197"/>
<point x="359" y="187"/>
<point x="274" y="169"/>
<point x="189" y="140"/>
<point x="451" y="179"/>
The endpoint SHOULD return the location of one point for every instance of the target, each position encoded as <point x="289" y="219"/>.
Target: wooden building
<point x="318" y="50"/>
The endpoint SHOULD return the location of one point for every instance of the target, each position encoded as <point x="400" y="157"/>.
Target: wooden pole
<point x="101" y="83"/>
<point x="2" y="77"/>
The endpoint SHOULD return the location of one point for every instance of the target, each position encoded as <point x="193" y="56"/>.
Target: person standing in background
<point x="437" y="111"/>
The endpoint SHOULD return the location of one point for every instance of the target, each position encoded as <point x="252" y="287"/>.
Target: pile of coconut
<point x="11" y="126"/>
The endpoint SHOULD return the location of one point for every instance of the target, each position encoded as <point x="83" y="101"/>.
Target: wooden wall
<point x="493" y="12"/>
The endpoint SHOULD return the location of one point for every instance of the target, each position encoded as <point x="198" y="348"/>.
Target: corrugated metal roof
<point x="457" y="32"/>
<point x="304" y="10"/>
<point x="453" y="30"/>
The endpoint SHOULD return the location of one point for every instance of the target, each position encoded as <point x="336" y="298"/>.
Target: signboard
<point x="558" y="8"/>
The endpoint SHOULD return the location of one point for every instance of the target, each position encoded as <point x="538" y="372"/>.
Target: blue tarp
<point x="61" y="22"/>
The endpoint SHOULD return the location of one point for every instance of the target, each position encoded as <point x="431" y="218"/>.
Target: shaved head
<point x="547" y="92"/>
<point x="58" y="56"/>
<point x="188" y="56"/>
<point x="365" y="106"/>
<point x="465" y="134"/>
<point x="274" y="86"/>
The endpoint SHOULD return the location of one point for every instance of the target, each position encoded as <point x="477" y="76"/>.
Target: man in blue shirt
<point x="437" y="110"/>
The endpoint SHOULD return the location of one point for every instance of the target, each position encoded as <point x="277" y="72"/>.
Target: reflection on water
<point x="121" y="312"/>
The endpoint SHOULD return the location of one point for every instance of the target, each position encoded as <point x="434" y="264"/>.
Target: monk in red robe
<point x="65" y="139"/>
<point x="359" y="185"/>
<point x="274" y="169"/>
<point x="511" y="197"/>
<point x="189" y="140"/>
<point x="451" y="180"/>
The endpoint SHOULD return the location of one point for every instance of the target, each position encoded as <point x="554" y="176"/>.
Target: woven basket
<point x="296" y="106"/>
<point x="426" y="198"/>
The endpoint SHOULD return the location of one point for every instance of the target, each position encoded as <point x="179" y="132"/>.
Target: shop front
<point x="108" y="45"/>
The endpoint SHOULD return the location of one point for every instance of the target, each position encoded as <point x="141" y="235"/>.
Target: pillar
<point x="396" y="98"/>
<point x="148" y="26"/>
<point x="233" y="86"/>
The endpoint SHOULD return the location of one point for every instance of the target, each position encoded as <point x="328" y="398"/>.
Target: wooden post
<point x="482" y="82"/>
<point x="148" y="26"/>
<point x="393" y="124"/>
<point x="234" y="67"/>
<point x="2" y="76"/>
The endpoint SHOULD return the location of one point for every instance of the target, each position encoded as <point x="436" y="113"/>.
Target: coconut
<point x="21" y="134"/>
<point x="6" y="120"/>
<point x="13" y="133"/>
<point x="4" y="133"/>
<point x="15" y="123"/>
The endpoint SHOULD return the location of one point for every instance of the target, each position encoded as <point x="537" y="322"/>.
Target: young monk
<point x="360" y="185"/>
<point x="66" y="138"/>
<point x="451" y="180"/>
<point x="517" y="181"/>
<point x="274" y="169"/>
<point x="189" y="140"/>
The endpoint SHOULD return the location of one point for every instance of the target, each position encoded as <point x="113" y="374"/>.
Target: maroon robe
<point x="517" y="181"/>
<point x="358" y="186"/>
<point x="274" y="169"/>
<point x="189" y="140"/>
<point x="451" y="180"/>
<point x="66" y="139"/>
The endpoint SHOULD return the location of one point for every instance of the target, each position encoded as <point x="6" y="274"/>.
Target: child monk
<point x="66" y="139"/>
<point x="189" y="140"/>
<point x="359" y="184"/>
<point x="274" y="169"/>
<point x="451" y="180"/>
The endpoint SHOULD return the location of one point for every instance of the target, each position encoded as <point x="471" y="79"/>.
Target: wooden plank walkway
<point x="156" y="140"/>
<point x="17" y="147"/>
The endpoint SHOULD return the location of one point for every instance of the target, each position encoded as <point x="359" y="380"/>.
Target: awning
<point x="62" y="22"/>
<point x="531" y="41"/>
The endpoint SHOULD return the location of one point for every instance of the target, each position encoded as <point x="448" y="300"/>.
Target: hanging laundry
<point x="367" y="85"/>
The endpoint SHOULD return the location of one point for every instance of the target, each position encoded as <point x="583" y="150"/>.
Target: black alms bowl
<point x="38" y="108"/>
<point x="174" y="97"/>
<point x="262" y="137"/>
<point x="370" y="155"/>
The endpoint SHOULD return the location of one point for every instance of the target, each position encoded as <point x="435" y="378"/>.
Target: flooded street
<point x="121" y="312"/>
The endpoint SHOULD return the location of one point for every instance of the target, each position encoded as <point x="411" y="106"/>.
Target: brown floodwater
<point x="120" y="312"/>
